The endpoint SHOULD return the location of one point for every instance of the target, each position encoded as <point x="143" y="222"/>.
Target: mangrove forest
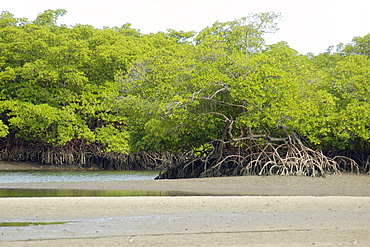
<point x="219" y="102"/>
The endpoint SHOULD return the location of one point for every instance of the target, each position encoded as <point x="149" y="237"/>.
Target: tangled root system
<point x="289" y="158"/>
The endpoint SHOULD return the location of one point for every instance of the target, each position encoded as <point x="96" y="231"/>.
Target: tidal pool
<point x="17" y="224"/>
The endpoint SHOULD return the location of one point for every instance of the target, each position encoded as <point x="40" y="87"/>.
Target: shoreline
<point x="237" y="211"/>
<point x="344" y="184"/>
<point x="333" y="185"/>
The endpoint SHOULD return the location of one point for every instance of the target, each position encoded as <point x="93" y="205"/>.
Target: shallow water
<point x="17" y="224"/>
<point x="77" y="176"/>
<point x="73" y="176"/>
<point x="16" y="192"/>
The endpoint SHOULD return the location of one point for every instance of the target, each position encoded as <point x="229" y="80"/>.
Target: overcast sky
<point x="308" y="26"/>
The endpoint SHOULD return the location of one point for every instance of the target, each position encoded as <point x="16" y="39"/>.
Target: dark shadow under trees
<point x="282" y="156"/>
<point x="256" y="156"/>
<point x="83" y="155"/>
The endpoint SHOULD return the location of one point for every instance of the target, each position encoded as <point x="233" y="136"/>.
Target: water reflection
<point x="85" y="193"/>
<point x="73" y="176"/>
<point x="77" y="176"/>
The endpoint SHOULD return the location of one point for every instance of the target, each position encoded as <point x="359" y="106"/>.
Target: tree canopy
<point x="179" y="91"/>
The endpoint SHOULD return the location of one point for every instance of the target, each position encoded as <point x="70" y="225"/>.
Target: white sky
<point x="309" y="26"/>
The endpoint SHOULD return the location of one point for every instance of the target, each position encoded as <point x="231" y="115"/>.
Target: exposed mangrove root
<point x="287" y="156"/>
<point x="84" y="155"/>
<point x="347" y="164"/>
<point x="291" y="157"/>
<point x="352" y="160"/>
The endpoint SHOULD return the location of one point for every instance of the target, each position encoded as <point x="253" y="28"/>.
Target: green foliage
<point x="243" y="35"/>
<point x="61" y="79"/>
<point x="41" y="122"/>
<point x="270" y="87"/>
<point x="49" y="17"/>
<point x="359" y="46"/>
<point x="115" y="139"/>
<point x="182" y="93"/>
<point x="177" y="90"/>
<point x="346" y="82"/>
<point x="4" y="129"/>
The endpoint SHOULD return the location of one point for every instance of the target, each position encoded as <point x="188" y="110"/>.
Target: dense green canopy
<point x="178" y="91"/>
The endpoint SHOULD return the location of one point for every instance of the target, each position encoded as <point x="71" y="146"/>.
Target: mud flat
<point x="188" y="221"/>
<point x="233" y="211"/>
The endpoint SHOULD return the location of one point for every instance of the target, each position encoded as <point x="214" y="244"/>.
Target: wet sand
<point x="238" y="211"/>
<point x="188" y="221"/>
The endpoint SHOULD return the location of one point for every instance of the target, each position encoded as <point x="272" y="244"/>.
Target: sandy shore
<point x="241" y="211"/>
<point x="188" y="221"/>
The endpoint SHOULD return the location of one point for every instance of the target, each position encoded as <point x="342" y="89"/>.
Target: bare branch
<point x="253" y="138"/>
<point x="225" y="88"/>
<point x="220" y="114"/>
